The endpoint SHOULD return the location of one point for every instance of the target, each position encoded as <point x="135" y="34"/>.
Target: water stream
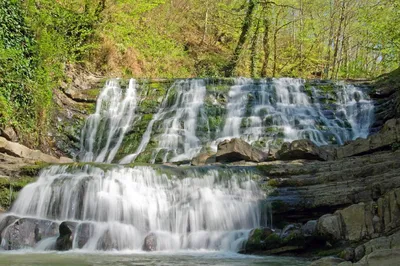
<point x="115" y="208"/>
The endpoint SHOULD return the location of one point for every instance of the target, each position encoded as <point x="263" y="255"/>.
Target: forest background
<point x="324" y="39"/>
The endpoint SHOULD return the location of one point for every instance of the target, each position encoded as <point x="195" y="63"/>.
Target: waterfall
<point x="266" y="113"/>
<point x="209" y="210"/>
<point x="178" y="118"/>
<point x="104" y="130"/>
<point x="119" y="208"/>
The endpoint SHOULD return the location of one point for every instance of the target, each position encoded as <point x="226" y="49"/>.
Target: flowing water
<point x="186" y="216"/>
<point x="265" y="113"/>
<point x="104" y="130"/>
<point x="186" y="258"/>
<point x="207" y="210"/>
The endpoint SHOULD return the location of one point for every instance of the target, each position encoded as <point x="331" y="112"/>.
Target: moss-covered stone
<point x="10" y="187"/>
<point x="33" y="170"/>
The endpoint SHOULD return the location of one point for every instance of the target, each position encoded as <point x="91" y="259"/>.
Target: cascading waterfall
<point x="126" y="208"/>
<point x="282" y="110"/>
<point x="178" y="140"/>
<point x="104" y="130"/>
<point x="118" y="208"/>
<point x="263" y="112"/>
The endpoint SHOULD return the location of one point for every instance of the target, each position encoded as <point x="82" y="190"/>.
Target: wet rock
<point x="238" y="150"/>
<point x="83" y="232"/>
<point x="309" y="228"/>
<point x="330" y="227"/>
<point x="354" y="221"/>
<point x="359" y="252"/>
<point x="382" y="140"/>
<point x="150" y="242"/>
<point x="26" y="232"/>
<point x="6" y="221"/>
<point x="384" y="257"/>
<point x="302" y="149"/>
<point x="262" y="239"/>
<point x="327" y="261"/>
<point x="290" y="230"/>
<point x="380" y="243"/>
<point x="106" y="242"/>
<point x="203" y="159"/>
<point x="347" y="254"/>
<point x="64" y="241"/>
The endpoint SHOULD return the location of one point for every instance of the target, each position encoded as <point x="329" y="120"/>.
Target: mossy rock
<point x="263" y="239"/>
<point x="9" y="189"/>
<point x="33" y="170"/>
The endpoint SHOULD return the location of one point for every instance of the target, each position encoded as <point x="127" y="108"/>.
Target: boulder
<point x="290" y="230"/>
<point x="83" y="232"/>
<point x="150" y="242"/>
<point x="330" y="227"/>
<point x="354" y="222"/>
<point x="238" y="150"/>
<point x="27" y="232"/>
<point x="384" y="257"/>
<point x="203" y="159"/>
<point x="65" y="239"/>
<point x="380" y="243"/>
<point x="302" y="149"/>
<point x="309" y="228"/>
<point x="347" y="254"/>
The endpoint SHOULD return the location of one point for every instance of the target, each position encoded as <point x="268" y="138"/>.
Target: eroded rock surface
<point x="238" y="150"/>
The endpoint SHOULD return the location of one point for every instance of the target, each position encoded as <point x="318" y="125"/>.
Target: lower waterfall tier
<point x="136" y="208"/>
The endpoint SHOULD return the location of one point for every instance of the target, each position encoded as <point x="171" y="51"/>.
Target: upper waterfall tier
<point x="104" y="130"/>
<point x="176" y="122"/>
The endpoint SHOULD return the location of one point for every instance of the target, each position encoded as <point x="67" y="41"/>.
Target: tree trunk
<point x="230" y="67"/>
<point x="338" y="33"/>
<point x="253" y="55"/>
<point x="203" y="39"/>
<point x="266" y="47"/>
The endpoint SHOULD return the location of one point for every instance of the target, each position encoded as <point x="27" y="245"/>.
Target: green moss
<point x="102" y="166"/>
<point x="33" y="170"/>
<point x="93" y="93"/>
<point x="327" y="252"/>
<point x="265" y="169"/>
<point x="308" y="89"/>
<point x="294" y="238"/>
<point x="273" y="241"/>
<point x="261" y="240"/>
<point x="132" y="140"/>
<point x="395" y="146"/>
<point x="224" y="88"/>
<point x="273" y="183"/>
<point x="9" y="189"/>
<point x="279" y="205"/>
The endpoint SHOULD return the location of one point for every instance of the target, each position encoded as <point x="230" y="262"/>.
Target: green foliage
<point x="17" y="66"/>
<point x="9" y="189"/>
<point x="37" y="39"/>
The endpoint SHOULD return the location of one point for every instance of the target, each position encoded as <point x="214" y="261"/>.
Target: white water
<point x="212" y="210"/>
<point x="124" y="205"/>
<point x="104" y="130"/>
<point x="178" y="123"/>
<point x="282" y="109"/>
<point x="263" y="112"/>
